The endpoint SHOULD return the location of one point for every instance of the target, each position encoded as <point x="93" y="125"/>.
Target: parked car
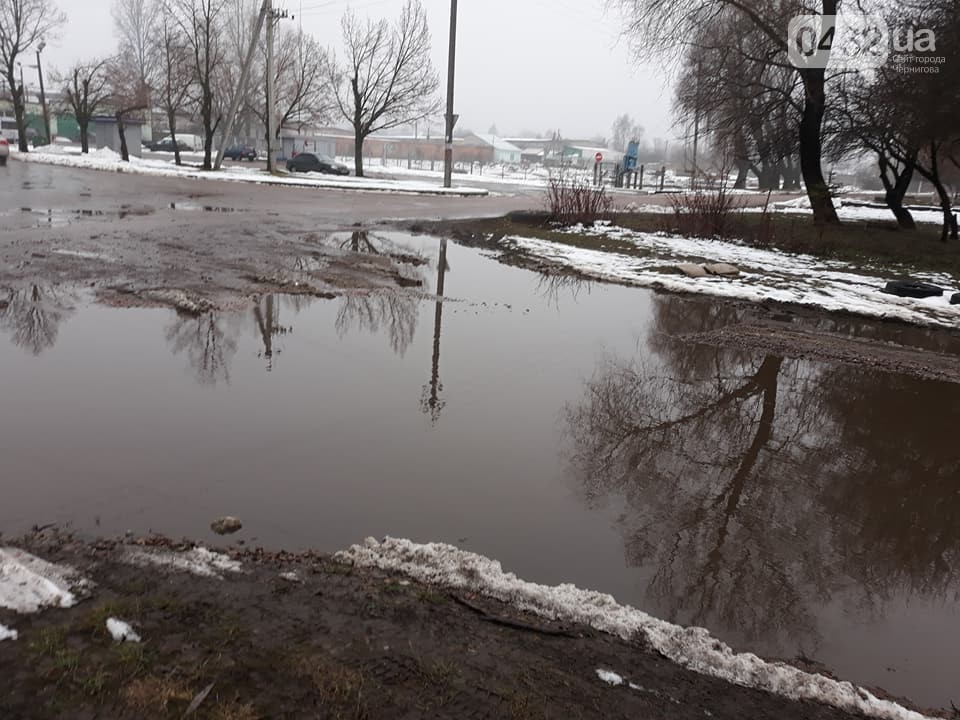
<point x="308" y="162"/>
<point x="4" y="151"/>
<point x="168" y="145"/>
<point x="241" y="152"/>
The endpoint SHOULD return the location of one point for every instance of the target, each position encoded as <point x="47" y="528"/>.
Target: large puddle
<point x="794" y="508"/>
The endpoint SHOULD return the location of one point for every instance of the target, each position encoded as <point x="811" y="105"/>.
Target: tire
<point x="3" y="161"/>
<point x="912" y="289"/>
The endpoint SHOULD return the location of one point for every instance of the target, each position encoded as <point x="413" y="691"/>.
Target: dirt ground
<point x="337" y="642"/>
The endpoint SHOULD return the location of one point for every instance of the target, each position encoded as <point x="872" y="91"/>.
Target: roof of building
<point x="498" y="143"/>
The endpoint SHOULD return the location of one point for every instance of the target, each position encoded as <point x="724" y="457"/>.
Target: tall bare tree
<point x="303" y="92"/>
<point x="129" y="95"/>
<point x="387" y="79"/>
<point x="623" y="130"/>
<point x="202" y="24"/>
<point x="174" y="76"/>
<point x="86" y="92"/>
<point x="23" y="24"/>
<point x="658" y="27"/>
<point x="137" y="23"/>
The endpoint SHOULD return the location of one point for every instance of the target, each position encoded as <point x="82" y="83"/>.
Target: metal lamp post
<point x="43" y="96"/>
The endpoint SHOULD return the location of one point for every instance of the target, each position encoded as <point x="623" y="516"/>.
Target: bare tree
<point x="302" y="82"/>
<point x="387" y="79"/>
<point x="86" y="92"/>
<point x="23" y="24"/>
<point x="129" y="95"/>
<point x="623" y="130"/>
<point x="202" y="24"/>
<point x="173" y="80"/>
<point x="137" y="23"/>
<point x="657" y="27"/>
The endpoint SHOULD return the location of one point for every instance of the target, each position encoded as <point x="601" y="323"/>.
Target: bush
<point x="706" y="214"/>
<point x="572" y="201"/>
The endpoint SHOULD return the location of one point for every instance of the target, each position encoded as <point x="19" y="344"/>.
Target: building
<point x="503" y="150"/>
<point x="107" y="132"/>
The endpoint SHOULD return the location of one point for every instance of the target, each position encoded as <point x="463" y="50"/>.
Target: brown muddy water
<point x="793" y="508"/>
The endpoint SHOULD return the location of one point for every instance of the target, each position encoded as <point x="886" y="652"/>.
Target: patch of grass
<point x="339" y="688"/>
<point x="94" y="622"/>
<point x="48" y="641"/>
<point x="235" y="710"/>
<point x="155" y="693"/>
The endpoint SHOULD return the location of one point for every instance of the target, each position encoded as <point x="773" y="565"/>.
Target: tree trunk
<point x="19" y="113"/>
<point x="358" y="152"/>
<point x="84" y="135"/>
<point x="124" y="153"/>
<point x="949" y="229"/>
<point x="172" y="123"/>
<point x="743" y="167"/>
<point x="895" y="192"/>
<point x="811" y="147"/>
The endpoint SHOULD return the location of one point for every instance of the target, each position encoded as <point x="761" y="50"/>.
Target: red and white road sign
<point x="598" y="157"/>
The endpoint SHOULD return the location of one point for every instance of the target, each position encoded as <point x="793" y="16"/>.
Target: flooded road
<point x="794" y="508"/>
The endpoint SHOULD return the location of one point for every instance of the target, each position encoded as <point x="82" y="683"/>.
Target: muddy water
<point x="793" y="508"/>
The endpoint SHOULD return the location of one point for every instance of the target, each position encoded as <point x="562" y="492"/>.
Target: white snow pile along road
<point x="28" y="583"/>
<point x="765" y="274"/>
<point x="107" y="160"/>
<point x="198" y="561"/>
<point x="693" y="648"/>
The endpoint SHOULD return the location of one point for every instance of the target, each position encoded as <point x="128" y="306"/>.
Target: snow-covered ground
<point x="765" y="274"/>
<point x="107" y="160"/>
<point x="691" y="647"/>
<point x="198" y="561"/>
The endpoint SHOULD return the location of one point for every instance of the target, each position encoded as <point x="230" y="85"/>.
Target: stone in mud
<point x="722" y="269"/>
<point x="226" y="525"/>
<point x="692" y="270"/>
<point x="955" y="299"/>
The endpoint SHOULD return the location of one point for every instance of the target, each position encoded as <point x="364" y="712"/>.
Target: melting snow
<point x="7" y="634"/>
<point x="198" y="561"/>
<point x="693" y="647"/>
<point x="121" y="631"/>
<point x="28" y="583"/>
<point x="106" y="159"/>
<point x="765" y="274"/>
<point x="609" y="677"/>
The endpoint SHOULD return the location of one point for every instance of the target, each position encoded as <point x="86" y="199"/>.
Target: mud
<point x="788" y="342"/>
<point x="327" y="640"/>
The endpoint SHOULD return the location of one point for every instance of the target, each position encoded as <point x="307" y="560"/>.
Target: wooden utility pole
<point x="451" y="118"/>
<point x="241" y="84"/>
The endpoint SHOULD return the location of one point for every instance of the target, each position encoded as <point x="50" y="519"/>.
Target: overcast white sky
<point x="521" y="64"/>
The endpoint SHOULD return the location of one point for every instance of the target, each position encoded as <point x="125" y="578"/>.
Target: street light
<point x="43" y="96"/>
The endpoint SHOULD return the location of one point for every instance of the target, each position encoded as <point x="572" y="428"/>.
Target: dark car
<point x="168" y="146"/>
<point x="241" y="152"/>
<point x="308" y="162"/>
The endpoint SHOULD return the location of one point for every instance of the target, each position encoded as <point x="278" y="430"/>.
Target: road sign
<point x="598" y="157"/>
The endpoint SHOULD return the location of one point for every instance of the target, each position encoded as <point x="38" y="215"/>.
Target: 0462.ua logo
<point x="849" y="41"/>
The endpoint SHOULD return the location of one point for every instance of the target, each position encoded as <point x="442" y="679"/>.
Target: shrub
<point x="572" y="200"/>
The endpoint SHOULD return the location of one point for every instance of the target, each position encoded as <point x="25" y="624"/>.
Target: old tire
<point x="912" y="289"/>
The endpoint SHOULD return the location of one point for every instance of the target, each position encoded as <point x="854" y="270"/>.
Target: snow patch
<point x="28" y="583"/>
<point x="107" y="160"/>
<point x="199" y="561"/>
<point x="765" y="274"/>
<point x="609" y="677"/>
<point x="121" y="631"/>
<point x="693" y="647"/>
<point x="291" y="576"/>
<point x="7" y="633"/>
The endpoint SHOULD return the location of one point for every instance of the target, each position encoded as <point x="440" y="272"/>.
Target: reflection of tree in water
<point x="209" y="341"/>
<point x="32" y="315"/>
<point x="756" y="489"/>
<point x="266" y="318"/>
<point x="431" y="400"/>
<point x="392" y="312"/>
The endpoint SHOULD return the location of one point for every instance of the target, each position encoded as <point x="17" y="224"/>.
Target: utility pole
<point x="451" y="118"/>
<point x="241" y="84"/>
<point x="271" y="24"/>
<point x="43" y="96"/>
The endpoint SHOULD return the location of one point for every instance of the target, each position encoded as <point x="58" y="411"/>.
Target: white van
<point x="185" y="141"/>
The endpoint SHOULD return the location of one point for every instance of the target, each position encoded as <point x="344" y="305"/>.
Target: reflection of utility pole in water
<point x="430" y="402"/>
<point x="268" y="327"/>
